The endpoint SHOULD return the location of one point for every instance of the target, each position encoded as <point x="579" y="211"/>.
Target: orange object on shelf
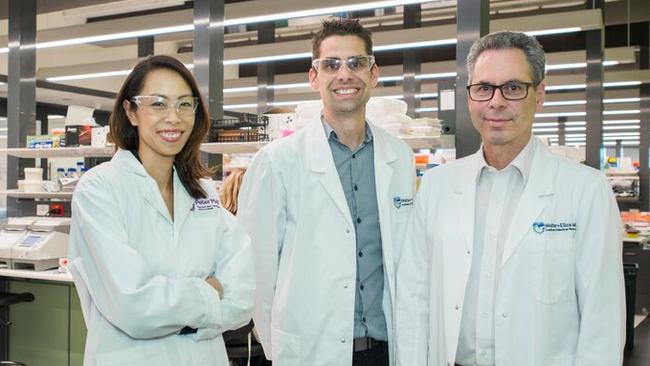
<point x="638" y="216"/>
<point x="422" y="159"/>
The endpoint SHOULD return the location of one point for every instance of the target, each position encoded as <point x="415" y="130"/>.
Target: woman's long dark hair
<point x="188" y="164"/>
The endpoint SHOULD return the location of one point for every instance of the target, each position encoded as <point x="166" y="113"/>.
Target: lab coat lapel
<point x="183" y="203"/>
<point x="321" y="162"/>
<point x="466" y="196"/>
<point x="383" y="160"/>
<point x="147" y="186"/>
<point x="533" y="200"/>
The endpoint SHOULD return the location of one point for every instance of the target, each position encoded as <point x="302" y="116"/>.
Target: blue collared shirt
<point x="357" y="174"/>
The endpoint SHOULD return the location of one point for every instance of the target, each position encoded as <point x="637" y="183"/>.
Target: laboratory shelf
<point x="34" y="195"/>
<point x="444" y="142"/>
<point x="232" y="147"/>
<point x="61" y="152"/>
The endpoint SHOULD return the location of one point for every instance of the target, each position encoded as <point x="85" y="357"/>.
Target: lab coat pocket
<point x="133" y="356"/>
<point x="554" y="270"/>
<point x="285" y="348"/>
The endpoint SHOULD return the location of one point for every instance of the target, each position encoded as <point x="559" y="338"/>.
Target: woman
<point x="162" y="270"/>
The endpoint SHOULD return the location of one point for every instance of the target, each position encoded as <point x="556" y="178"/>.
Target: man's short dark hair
<point x="341" y="27"/>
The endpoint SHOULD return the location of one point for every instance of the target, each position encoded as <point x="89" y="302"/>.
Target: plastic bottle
<point x="80" y="167"/>
<point x="72" y="173"/>
<point x="60" y="173"/>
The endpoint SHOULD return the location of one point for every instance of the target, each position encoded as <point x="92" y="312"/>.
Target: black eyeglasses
<point x="512" y="90"/>
<point x="333" y="65"/>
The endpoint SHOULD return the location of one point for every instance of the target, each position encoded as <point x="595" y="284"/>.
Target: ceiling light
<point x="439" y="75"/>
<point x="621" y="121"/>
<point x="322" y="11"/>
<point x="627" y="111"/>
<point x="565" y="87"/>
<point x="621" y="83"/>
<point x="240" y="106"/>
<point x="628" y="143"/>
<point x="549" y="136"/>
<point x="560" y="114"/>
<point x="89" y="76"/>
<point x="621" y="134"/>
<point x="577" y="65"/>
<point x="575" y="123"/>
<point x="549" y="129"/>
<point x="564" y="102"/>
<point x="428" y="109"/>
<point x="621" y="127"/>
<point x="621" y="100"/>
<point x="240" y="90"/>
<point x="238" y="21"/>
<point x="575" y="128"/>
<point x="545" y="124"/>
<point x="553" y="31"/>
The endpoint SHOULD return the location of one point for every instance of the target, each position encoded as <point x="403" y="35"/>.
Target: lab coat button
<point x="347" y="231"/>
<point x="469" y="252"/>
<point x="342" y="340"/>
<point x="457" y="307"/>
<point x="345" y="285"/>
<point x="505" y="315"/>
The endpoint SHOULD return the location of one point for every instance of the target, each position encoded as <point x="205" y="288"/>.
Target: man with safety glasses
<point x="326" y="209"/>
<point x="513" y="254"/>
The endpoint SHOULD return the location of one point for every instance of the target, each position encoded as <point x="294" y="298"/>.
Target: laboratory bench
<point x="50" y="331"/>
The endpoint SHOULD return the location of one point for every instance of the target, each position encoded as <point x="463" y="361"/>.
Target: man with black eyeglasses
<point x="513" y="254"/>
<point x="326" y="209"/>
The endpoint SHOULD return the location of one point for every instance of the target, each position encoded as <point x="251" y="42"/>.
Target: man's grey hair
<point x="508" y="40"/>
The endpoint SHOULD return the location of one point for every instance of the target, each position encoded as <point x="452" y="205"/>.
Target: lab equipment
<point x="44" y="242"/>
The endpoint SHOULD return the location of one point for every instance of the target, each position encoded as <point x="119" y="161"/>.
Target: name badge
<point x="205" y="204"/>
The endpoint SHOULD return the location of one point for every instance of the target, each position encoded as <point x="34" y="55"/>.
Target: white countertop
<point x="49" y="275"/>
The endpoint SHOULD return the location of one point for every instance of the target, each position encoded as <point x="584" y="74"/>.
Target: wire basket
<point x="251" y="135"/>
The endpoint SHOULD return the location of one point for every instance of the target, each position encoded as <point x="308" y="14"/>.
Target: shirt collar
<point x="331" y="134"/>
<point x="522" y="162"/>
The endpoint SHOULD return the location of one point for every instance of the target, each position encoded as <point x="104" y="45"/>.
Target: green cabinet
<point x="49" y="331"/>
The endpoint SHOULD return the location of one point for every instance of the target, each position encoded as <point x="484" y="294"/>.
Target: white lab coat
<point x="141" y="276"/>
<point x="293" y="207"/>
<point x="560" y="299"/>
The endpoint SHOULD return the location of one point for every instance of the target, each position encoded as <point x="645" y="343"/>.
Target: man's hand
<point x="214" y="282"/>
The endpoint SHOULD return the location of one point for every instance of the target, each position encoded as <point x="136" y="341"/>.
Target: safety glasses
<point x="332" y="65"/>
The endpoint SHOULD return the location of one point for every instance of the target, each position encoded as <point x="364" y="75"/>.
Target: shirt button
<point x="361" y="287"/>
<point x="360" y="254"/>
<point x="358" y="220"/>
<point x="356" y="188"/>
<point x="354" y="156"/>
<point x="363" y="319"/>
<point x="505" y="315"/>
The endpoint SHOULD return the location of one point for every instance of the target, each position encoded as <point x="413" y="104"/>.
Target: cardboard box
<point x="78" y="135"/>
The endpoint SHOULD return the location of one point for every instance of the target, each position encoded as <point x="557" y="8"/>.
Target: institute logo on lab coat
<point x="205" y="204"/>
<point x="539" y="227"/>
<point x="399" y="202"/>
